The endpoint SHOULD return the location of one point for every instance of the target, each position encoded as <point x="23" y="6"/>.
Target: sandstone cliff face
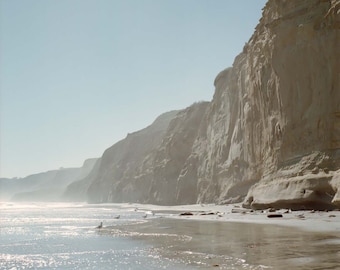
<point x="270" y="136"/>
<point x="273" y="109"/>
<point x="302" y="78"/>
<point x="163" y="169"/>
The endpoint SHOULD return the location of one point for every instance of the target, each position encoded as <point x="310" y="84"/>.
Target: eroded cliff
<point x="279" y="106"/>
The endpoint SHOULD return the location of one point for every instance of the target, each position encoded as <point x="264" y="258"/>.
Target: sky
<point x="77" y="75"/>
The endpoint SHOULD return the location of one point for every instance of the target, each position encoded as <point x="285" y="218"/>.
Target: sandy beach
<point x="314" y="221"/>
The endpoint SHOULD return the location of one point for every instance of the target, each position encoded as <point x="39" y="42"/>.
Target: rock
<point x="315" y="170"/>
<point x="312" y="192"/>
<point x="335" y="183"/>
<point x="208" y="213"/>
<point x="274" y="215"/>
<point x="186" y="214"/>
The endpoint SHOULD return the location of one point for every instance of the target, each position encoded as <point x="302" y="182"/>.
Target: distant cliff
<point x="46" y="186"/>
<point x="77" y="190"/>
<point x="133" y="169"/>
<point x="270" y="136"/>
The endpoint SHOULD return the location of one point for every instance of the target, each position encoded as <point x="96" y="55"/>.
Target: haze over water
<point x="63" y="236"/>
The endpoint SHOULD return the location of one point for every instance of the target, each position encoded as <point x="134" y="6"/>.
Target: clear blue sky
<point x="78" y="75"/>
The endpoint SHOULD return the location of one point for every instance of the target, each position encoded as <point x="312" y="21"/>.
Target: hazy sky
<point x="78" y="75"/>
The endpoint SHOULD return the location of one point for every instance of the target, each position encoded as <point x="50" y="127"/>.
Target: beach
<point x="313" y="221"/>
<point x="138" y="236"/>
<point x="230" y="237"/>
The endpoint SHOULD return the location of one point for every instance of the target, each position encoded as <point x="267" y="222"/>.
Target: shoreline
<point x="229" y="235"/>
<point x="312" y="221"/>
<point x="210" y="236"/>
<point x="307" y="220"/>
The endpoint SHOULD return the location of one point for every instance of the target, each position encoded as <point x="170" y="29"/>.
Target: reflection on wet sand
<point x="238" y="245"/>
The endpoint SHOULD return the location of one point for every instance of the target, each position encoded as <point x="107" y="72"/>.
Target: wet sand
<point x="232" y="245"/>
<point x="211" y="237"/>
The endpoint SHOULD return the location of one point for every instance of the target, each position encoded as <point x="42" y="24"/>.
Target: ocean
<point x="64" y="236"/>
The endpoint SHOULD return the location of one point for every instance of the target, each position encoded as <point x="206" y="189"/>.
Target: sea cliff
<point x="270" y="136"/>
